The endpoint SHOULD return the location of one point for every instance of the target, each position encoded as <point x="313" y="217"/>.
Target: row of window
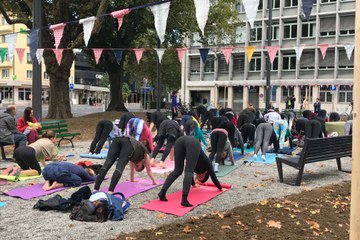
<point x="23" y="93"/>
<point x="5" y="74"/>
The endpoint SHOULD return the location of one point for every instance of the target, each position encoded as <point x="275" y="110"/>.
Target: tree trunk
<point x="116" y="100"/>
<point x="59" y="101"/>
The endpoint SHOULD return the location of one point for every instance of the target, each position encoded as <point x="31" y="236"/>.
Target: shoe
<point x="216" y="167"/>
<point x="263" y="158"/>
<point x="8" y="170"/>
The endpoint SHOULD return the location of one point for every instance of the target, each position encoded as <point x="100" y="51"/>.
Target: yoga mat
<point x="226" y="169"/>
<point x="93" y="156"/>
<point x="170" y="165"/>
<point x="197" y="196"/>
<point x="238" y="156"/>
<point x="270" y="158"/>
<point x="285" y="150"/>
<point x="2" y="204"/>
<point x="130" y="189"/>
<point x="34" y="191"/>
<point x="3" y="182"/>
<point x="15" y="179"/>
<point x="246" y="150"/>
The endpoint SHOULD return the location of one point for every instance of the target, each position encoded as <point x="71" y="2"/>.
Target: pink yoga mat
<point x="3" y="182"/>
<point x="34" y="191"/>
<point x="170" y="165"/>
<point x="197" y="196"/>
<point x="132" y="188"/>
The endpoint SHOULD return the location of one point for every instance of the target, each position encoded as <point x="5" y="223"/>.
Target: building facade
<point x="16" y="76"/>
<point x="241" y="82"/>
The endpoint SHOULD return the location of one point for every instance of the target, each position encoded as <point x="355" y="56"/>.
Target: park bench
<point x="316" y="150"/>
<point x="61" y="129"/>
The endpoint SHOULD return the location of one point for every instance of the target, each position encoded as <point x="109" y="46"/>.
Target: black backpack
<point x="55" y="203"/>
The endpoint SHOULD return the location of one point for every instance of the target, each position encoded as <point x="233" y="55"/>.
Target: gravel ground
<point x="250" y="184"/>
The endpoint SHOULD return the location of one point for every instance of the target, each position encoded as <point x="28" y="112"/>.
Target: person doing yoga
<point x="137" y="128"/>
<point x="64" y="174"/>
<point x="262" y="140"/>
<point x="123" y="150"/>
<point x="187" y="147"/>
<point x="105" y="129"/>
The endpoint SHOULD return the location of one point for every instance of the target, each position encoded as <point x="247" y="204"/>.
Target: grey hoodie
<point x="7" y="128"/>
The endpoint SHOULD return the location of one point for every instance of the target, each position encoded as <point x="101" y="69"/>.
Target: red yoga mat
<point x="197" y="196"/>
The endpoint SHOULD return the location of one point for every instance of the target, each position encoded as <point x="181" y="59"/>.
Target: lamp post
<point x="268" y="63"/>
<point x="158" y="99"/>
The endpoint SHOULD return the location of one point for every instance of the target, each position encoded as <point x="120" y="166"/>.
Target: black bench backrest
<point x="320" y="149"/>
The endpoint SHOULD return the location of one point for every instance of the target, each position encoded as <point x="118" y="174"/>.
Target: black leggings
<point x="25" y="157"/>
<point x="170" y="142"/>
<point x="186" y="147"/>
<point x="312" y="129"/>
<point x="120" y="150"/>
<point x="218" y="140"/>
<point x="248" y="132"/>
<point x="103" y="129"/>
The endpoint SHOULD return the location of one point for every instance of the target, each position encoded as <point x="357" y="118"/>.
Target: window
<point x="328" y="1"/>
<point x="28" y="41"/>
<point x="289" y="62"/>
<point x="347" y="25"/>
<point x="6" y="58"/>
<point x="345" y="94"/>
<point x="274" y="32"/>
<point x="24" y="94"/>
<point x="196" y="39"/>
<point x="3" y="39"/>
<point x="29" y="74"/>
<point x="240" y="35"/>
<point x="290" y="30"/>
<point x="46" y="76"/>
<point x="6" y="93"/>
<point x="223" y="66"/>
<point x="327" y="26"/>
<point x="275" y="64"/>
<point x="209" y="65"/>
<point x="240" y="8"/>
<point x="328" y="62"/>
<point x="28" y="58"/>
<point x="291" y="3"/>
<point x="325" y="94"/>
<point x="286" y="92"/>
<point x="256" y="33"/>
<point x="307" y="61"/>
<point x="239" y="63"/>
<point x="195" y="65"/>
<point x="276" y="4"/>
<point x="255" y="64"/>
<point x="308" y="29"/>
<point x="344" y="62"/>
<point x="5" y="73"/>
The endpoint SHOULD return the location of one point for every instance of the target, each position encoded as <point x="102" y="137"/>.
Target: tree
<point x="126" y="91"/>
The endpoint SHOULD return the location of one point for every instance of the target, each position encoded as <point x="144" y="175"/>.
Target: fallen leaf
<point x="292" y="216"/>
<point x="263" y="202"/>
<point x="313" y="225"/>
<point x="130" y="238"/>
<point x="340" y="225"/>
<point x="158" y="233"/>
<point x="258" y="209"/>
<point x="317" y="211"/>
<point x="162" y="216"/>
<point x="238" y="223"/>
<point x="259" y="221"/>
<point x="225" y="227"/>
<point x="221" y="215"/>
<point x="202" y="238"/>
<point x="195" y="218"/>
<point x="273" y="224"/>
<point x="71" y="225"/>
<point x="187" y="229"/>
<point x="260" y="173"/>
<point x="279" y="205"/>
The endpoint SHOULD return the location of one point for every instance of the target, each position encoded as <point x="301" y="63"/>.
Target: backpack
<point x="55" y="203"/>
<point x="101" y="207"/>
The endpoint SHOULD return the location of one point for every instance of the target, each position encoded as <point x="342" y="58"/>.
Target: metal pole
<point x="268" y="64"/>
<point x="158" y="99"/>
<point x="36" y="80"/>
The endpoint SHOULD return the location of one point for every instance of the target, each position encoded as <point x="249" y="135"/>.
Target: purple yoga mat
<point x="34" y="191"/>
<point x="132" y="188"/>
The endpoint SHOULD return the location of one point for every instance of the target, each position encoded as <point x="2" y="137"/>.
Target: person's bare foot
<point x="162" y="164"/>
<point x="152" y="162"/>
<point x="46" y="186"/>
<point x="56" y="185"/>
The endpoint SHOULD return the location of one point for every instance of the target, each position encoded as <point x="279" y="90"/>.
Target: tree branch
<point x="10" y="21"/>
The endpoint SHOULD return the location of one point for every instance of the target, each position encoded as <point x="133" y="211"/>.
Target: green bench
<point x="61" y="129"/>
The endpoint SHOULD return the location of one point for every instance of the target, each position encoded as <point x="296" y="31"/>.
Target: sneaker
<point x="263" y="158"/>
<point x="216" y="167"/>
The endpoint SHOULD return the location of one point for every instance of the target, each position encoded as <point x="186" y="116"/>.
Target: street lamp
<point x="268" y="63"/>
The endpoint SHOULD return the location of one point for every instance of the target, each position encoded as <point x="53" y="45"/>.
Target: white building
<point x="240" y="82"/>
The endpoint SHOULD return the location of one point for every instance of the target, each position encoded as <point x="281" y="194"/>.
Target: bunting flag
<point x="349" y="48"/>
<point x="58" y="55"/>
<point x="88" y="25"/>
<point x="181" y="52"/>
<point x="250" y="51"/>
<point x="251" y="8"/>
<point x="138" y="53"/>
<point x="3" y="54"/>
<point x="307" y="7"/>
<point x="299" y="49"/>
<point x="20" y="53"/>
<point x="161" y="13"/>
<point x="323" y="49"/>
<point x="10" y="39"/>
<point x="76" y="51"/>
<point x="160" y="53"/>
<point x="227" y="53"/>
<point x="272" y="51"/>
<point x="120" y="16"/>
<point x="58" y="30"/>
<point x="34" y="42"/>
<point x="204" y="53"/>
<point x="118" y="55"/>
<point x="97" y="54"/>
<point x="202" y="11"/>
<point x="39" y="54"/>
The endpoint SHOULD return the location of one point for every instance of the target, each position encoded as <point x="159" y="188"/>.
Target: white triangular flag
<point x="202" y="12"/>
<point x="76" y="50"/>
<point x="88" y="25"/>
<point x="161" y="12"/>
<point x="10" y="39"/>
<point x="299" y="49"/>
<point x="39" y="53"/>
<point x="160" y="53"/>
<point x="349" y="48"/>
<point x="251" y="8"/>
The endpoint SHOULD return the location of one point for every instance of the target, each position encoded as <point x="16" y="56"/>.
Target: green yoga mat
<point x="227" y="168"/>
<point x="15" y="179"/>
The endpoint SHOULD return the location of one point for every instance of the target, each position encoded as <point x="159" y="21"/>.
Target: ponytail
<point x="48" y="134"/>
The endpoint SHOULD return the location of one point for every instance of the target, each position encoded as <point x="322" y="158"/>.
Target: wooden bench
<point x="61" y="129"/>
<point x="316" y="150"/>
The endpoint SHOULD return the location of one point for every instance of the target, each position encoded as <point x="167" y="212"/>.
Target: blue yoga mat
<point x="238" y="155"/>
<point x="101" y="155"/>
<point x="246" y="150"/>
<point x="270" y="158"/>
<point x="2" y="204"/>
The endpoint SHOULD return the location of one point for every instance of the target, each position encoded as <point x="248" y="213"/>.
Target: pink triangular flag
<point x="20" y="53"/>
<point x="181" y="52"/>
<point x="323" y="49"/>
<point x="138" y="53"/>
<point x="58" y="30"/>
<point x="120" y="16"/>
<point x="272" y="51"/>
<point x="97" y="54"/>
<point x="58" y="55"/>
<point x="227" y="53"/>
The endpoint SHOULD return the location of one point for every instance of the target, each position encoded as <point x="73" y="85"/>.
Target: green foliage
<point x="105" y="81"/>
<point x="125" y="91"/>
